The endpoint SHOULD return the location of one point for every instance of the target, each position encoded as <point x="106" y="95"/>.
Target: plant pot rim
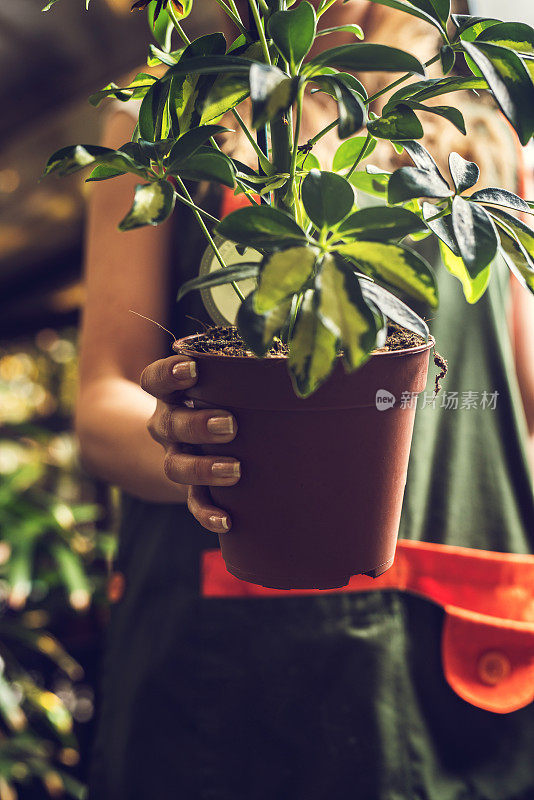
<point x="278" y="358"/>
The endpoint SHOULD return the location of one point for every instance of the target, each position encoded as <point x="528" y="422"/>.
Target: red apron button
<point x="493" y="667"/>
<point x="116" y="586"/>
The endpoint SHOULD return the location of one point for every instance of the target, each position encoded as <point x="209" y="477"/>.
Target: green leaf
<point x="356" y="30"/>
<point x="103" y="172"/>
<point x="152" y="151"/>
<point x="402" y="5"/>
<point x="283" y="274"/>
<point x="453" y="115"/>
<point x="422" y="158"/>
<point x="141" y="152"/>
<point x="226" y="93"/>
<point x="75" y="157"/>
<point x="350" y="151"/>
<point x="516" y="256"/>
<point x="207" y="166"/>
<point x="151" y="111"/>
<point x="434" y="87"/>
<point x="259" y="330"/>
<point x="397" y="265"/>
<point x="264" y="183"/>
<point x="209" y="65"/>
<point x="113" y="162"/>
<point x="343" y="310"/>
<point x="440" y="9"/>
<point x="521" y="232"/>
<point x="473" y="287"/>
<point x="156" y="56"/>
<point x="307" y="161"/>
<point x="501" y="197"/>
<point x="327" y="197"/>
<point x="312" y="348"/>
<point x="475" y="234"/>
<point x="510" y="82"/>
<point x="271" y="92"/>
<point x="153" y="203"/>
<point x="409" y="182"/>
<point x="162" y="27"/>
<point x="393" y="308"/>
<point x="471" y="26"/>
<point x="464" y="173"/>
<point x="137" y="88"/>
<point x="261" y="226"/>
<point x="373" y="184"/>
<point x="447" y="57"/>
<point x="346" y="78"/>
<point x="219" y="277"/>
<point x="380" y="224"/>
<point x="441" y="227"/>
<point x="189" y="142"/>
<point x="351" y="110"/>
<point x="529" y="64"/>
<point x="368" y="58"/>
<point x="516" y="35"/>
<point x="399" y="124"/>
<point x="293" y="32"/>
<point x="189" y="89"/>
<point x="229" y="89"/>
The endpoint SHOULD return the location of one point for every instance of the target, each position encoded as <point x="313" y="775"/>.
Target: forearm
<point x="115" y="445"/>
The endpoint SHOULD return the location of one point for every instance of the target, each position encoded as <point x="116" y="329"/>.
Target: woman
<point x="302" y="697"/>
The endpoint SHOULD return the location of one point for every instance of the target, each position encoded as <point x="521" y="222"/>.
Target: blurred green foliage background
<point x="56" y="546"/>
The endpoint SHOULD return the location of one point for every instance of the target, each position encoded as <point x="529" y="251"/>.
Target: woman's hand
<point x="175" y="427"/>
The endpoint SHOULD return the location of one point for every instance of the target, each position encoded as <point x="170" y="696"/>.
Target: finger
<point x="206" y="426"/>
<point x="210" y="517"/>
<point x="167" y="377"/>
<point x="190" y="469"/>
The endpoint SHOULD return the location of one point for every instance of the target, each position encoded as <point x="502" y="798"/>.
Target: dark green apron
<point x="335" y="696"/>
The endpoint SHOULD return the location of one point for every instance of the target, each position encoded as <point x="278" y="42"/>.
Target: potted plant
<point x="310" y="355"/>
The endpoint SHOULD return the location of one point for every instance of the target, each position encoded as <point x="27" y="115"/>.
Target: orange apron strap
<point x="488" y="600"/>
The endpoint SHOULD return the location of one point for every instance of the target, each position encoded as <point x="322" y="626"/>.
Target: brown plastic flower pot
<point x="323" y="478"/>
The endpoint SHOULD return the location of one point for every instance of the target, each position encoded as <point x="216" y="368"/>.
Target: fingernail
<point x="185" y="369"/>
<point x="221" y="425"/>
<point x="226" y="469"/>
<point x="220" y="522"/>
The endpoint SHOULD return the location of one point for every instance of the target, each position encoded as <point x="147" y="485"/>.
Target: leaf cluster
<point x="330" y="271"/>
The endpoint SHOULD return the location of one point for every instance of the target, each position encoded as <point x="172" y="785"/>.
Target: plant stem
<point x="261" y="31"/>
<point x="232" y="12"/>
<point x="323" y="132"/>
<point x="234" y="8"/>
<point x="176" y="22"/>
<point x="264" y="161"/>
<point x="206" y="214"/>
<point x="360" y="156"/>
<point x="297" y="301"/>
<point x="324" y="7"/>
<point x="241" y="185"/>
<point x="294" y="155"/>
<point x="442" y="213"/>
<point x="209" y="237"/>
<point x="281" y="149"/>
<point x="371" y="99"/>
<point x="397" y="82"/>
